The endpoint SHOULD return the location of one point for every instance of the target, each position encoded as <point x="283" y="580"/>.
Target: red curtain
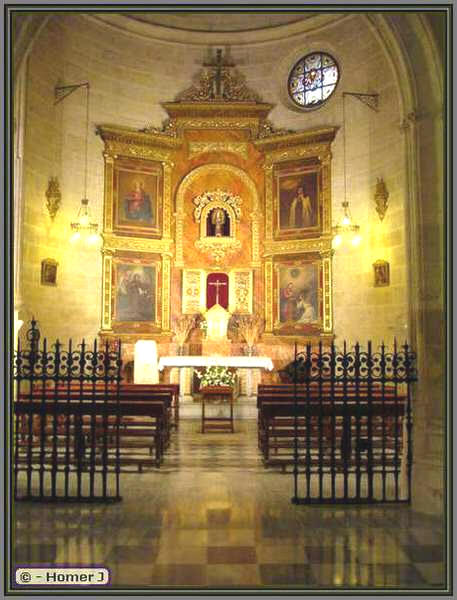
<point x="214" y="282"/>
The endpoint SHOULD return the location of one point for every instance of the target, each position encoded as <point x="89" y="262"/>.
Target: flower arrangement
<point x="250" y="327"/>
<point x="182" y="326"/>
<point x="216" y="376"/>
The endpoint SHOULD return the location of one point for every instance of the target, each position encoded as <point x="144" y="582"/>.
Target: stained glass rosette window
<point x="313" y="79"/>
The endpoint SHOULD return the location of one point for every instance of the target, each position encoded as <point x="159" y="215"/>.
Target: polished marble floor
<point x="212" y="517"/>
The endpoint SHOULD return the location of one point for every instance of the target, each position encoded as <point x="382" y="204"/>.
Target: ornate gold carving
<point x="219" y="81"/>
<point x="128" y="137"/>
<point x="233" y="147"/>
<point x="106" y="290"/>
<point x="53" y="197"/>
<point x="269" y="296"/>
<point x="293" y="153"/>
<point x="381" y="196"/>
<point x="179" y="255"/>
<point x="267" y="129"/>
<point x="168" y="128"/>
<point x="160" y="246"/>
<point x="240" y="291"/>
<point x="109" y="177"/>
<point x="326" y="199"/>
<point x="280" y="140"/>
<point x="327" y="295"/>
<point x="165" y="292"/>
<point x="193" y="300"/>
<point x="235" y="89"/>
<point x="251" y="124"/>
<point x="220" y="198"/>
<point x="218" y="247"/>
<point x="268" y="201"/>
<point x="145" y="152"/>
<point x="255" y="241"/>
<point x="320" y="245"/>
<point x="187" y="182"/>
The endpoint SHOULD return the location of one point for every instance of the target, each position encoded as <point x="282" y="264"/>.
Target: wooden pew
<point x="144" y="390"/>
<point x="327" y="421"/>
<point x="143" y="425"/>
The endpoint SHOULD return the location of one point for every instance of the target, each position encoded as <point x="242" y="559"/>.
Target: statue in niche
<point x="218" y="223"/>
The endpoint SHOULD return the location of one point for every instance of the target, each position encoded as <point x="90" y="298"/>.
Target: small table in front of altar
<point x="214" y="393"/>
<point x="248" y="364"/>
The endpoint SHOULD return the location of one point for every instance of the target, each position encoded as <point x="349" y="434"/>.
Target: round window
<point x="313" y="79"/>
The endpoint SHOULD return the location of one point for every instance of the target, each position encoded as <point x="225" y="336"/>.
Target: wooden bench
<point x="71" y="419"/>
<point x="141" y="389"/>
<point x="326" y="423"/>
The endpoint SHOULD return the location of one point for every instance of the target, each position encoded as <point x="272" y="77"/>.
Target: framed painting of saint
<point x="297" y="200"/>
<point x="137" y="199"/>
<point x="298" y="296"/>
<point x="134" y="292"/>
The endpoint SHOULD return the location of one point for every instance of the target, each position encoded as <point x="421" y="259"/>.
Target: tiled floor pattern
<point x="212" y="517"/>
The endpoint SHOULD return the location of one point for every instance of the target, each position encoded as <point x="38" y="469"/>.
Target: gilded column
<point x="255" y="241"/>
<point x="268" y="201"/>
<point x="327" y="294"/>
<point x="108" y="199"/>
<point x="167" y="200"/>
<point x="269" y="296"/>
<point x="166" y="293"/>
<point x="327" y="191"/>
<point x="106" y="289"/>
<point x="179" y="256"/>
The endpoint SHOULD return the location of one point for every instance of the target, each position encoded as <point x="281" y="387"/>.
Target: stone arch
<point x="205" y="170"/>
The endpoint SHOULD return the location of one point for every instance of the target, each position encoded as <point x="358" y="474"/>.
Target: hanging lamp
<point x="346" y="230"/>
<point x="84" y="226"/>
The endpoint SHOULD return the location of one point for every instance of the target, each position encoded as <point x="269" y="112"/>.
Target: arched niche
<point x="207" y="171"/>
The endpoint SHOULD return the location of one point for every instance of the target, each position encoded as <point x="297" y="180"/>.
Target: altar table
<point x="250" y="365"/>
<point x="237" y="362"/>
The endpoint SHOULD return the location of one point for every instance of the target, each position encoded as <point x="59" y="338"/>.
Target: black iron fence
<point x="66" y="421"/>
<point x="352" y="423"/>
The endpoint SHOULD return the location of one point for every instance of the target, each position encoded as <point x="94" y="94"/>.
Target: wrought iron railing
<point x="352" y="420"/>
<point x="66" y="420"/>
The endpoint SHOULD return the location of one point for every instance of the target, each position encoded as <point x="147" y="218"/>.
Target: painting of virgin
<point x="298" y="294"/>
<point x="135" y="292"/>
<point x="136" y="201"/>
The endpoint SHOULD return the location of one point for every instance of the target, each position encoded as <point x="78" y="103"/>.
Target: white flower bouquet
<point x="216" y="376"/>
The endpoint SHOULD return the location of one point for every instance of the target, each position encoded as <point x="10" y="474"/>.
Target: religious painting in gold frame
<point x="381" y="273"/>
<point x="297" y="199"/>
<point x="137" y="198"/>
<point x="136" y="293"/>
<point x="298" y="295"/>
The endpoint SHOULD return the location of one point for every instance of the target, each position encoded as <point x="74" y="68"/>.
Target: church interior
<point x="213" y="213"/>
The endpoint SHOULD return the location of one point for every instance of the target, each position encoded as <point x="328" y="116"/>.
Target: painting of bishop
<point x="135" y="292"/>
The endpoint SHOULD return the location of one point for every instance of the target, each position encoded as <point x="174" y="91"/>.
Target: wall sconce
<point x="53" y="197"/>
<point x="380" y="197"/>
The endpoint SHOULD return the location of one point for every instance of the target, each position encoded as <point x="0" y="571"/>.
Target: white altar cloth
<point x="238" y="362"/>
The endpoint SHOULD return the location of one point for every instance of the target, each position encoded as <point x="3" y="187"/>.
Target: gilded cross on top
<point x="220" y="68"/>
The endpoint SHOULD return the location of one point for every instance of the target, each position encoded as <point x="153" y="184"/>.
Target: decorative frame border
<point x="161" y="324"/>
<point x="142" y="168"/>
<point x="296" y="168"/>
<point x="271" y="280"/>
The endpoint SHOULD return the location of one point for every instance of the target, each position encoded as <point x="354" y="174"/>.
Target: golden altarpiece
<point x="217" y="192"/>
